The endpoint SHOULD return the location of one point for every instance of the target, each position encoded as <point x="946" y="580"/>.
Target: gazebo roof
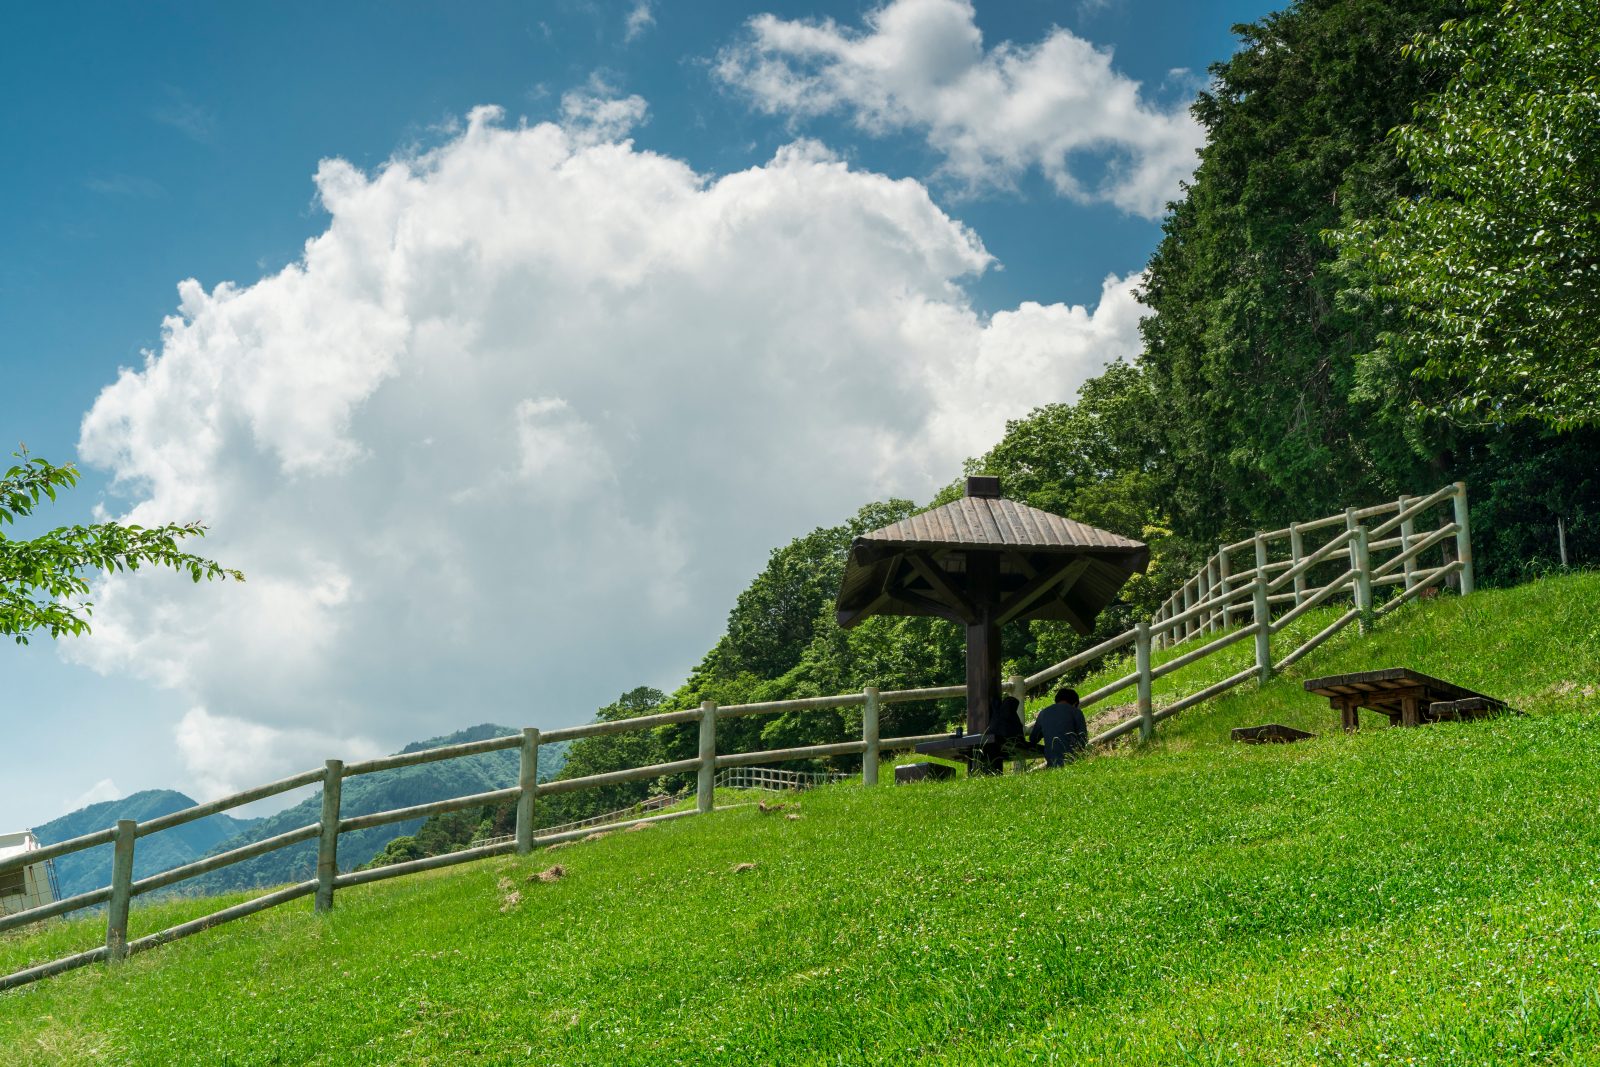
<point x="1049" y="567"/>
<point x="995" y="522"/>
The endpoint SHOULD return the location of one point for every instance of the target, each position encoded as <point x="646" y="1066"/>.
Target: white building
<point x="30" y="886"/>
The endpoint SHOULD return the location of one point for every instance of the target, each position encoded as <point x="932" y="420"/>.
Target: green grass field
<point x="1398" y="896"/>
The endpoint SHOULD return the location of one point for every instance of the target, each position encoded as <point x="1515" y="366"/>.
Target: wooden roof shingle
<point x="995" y="522"/>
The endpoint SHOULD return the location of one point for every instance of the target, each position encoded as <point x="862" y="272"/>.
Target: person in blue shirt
<point x="1062" y="728"/>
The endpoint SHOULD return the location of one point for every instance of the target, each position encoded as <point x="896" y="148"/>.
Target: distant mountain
<point x="90" y="869"/>
<point x="368" y="793"/>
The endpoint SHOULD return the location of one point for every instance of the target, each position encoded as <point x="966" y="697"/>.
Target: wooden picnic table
<point x="1407" y="697"/>
<point x="981" y="752"/>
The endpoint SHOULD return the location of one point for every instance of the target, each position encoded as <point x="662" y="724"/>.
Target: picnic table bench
<point x="1407" y="697"/>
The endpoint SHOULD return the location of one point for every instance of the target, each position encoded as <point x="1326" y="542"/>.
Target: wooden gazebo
<point x="983" y="561"/>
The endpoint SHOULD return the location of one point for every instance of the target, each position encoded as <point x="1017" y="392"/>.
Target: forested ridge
<point x="1377" y="282"/>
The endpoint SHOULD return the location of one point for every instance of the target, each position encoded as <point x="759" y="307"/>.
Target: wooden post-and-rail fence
<point x="1212" y="601"/>
<point x="1214" y="587"/>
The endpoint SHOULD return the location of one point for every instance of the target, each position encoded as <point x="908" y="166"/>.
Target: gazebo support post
<point x="983" y="639"/>
<point x="983" y="652"/>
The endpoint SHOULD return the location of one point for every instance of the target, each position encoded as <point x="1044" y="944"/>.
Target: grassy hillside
<point x="1398" y="896"/>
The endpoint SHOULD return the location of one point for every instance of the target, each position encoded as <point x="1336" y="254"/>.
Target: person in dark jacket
<point x="1005" y="720"/>
<point x="1062" y="728"/>
<point x="1001" y="736"/>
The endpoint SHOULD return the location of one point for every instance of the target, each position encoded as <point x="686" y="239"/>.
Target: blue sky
<point x="148" y="144"/>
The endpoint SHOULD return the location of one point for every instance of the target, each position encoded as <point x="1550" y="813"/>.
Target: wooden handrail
<point x="226" y="859"/>
<point x="1088" y="655"/>
<point x="421" y="811"/>
<point x="60" y="848"/>
<point x="1420" y="546"/>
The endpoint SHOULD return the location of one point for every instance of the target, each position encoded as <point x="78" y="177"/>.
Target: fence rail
<point x="1215" y="600"/>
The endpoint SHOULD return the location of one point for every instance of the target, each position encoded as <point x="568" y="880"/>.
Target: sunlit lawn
<point x="1397" y="896"/>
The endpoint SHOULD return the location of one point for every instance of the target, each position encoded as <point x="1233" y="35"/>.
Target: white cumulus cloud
<point x="228" y="755"/>
<point x="992" y="113"/>
<point x="521" y="422"/>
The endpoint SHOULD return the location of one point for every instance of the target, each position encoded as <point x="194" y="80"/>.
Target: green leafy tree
<point x="44" y="579"/>
<point x="775" y="618"/>
<point x="609" y="752"/>
<point x="1492" y="274"/>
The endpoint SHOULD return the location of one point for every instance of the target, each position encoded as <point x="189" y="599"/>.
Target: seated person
<point x="1005" y="720"/>
<point x="1062" y="728"/>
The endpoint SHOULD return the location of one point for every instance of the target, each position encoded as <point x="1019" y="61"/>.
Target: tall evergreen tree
<point x="1250" y="357"/>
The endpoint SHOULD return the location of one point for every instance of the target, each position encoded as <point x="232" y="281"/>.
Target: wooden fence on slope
<point x="1216" y="599"/>
<point x="767" y="778"/>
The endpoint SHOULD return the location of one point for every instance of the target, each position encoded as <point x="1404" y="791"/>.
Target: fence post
<point x="1408" y="529"/>
<point x="704" y="794"/>
<point x="328" y="843"/>
<point x="1362" y="560"/>
<point x="1297" y="551"/>
<point x="1263" y="625"/>
<point x="1464" y="540"/>
<point x="1350" y="525"/>
<point x="1141" y="658"/>
<point x="121" y="890"/>
<point x="528" y="782"/>
<point x="869" y="734"/>
<point x="1188" y="602"/>
<point x="1223" y="586"/>
<point x="1261" y="554"/>
<point x="1208" y="617"/>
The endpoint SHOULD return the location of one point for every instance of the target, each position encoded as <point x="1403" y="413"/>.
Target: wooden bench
<point x="1272" y="733"/>
<point x="1407" y="697"/>
<point x="1470" y="708"/>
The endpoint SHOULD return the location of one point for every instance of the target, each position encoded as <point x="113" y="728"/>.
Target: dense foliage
<point x="1265" y="392"/>
<point x="42" y="579"/>
<point x="1493" y="272"/>
<point x="1248" y="355"/>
